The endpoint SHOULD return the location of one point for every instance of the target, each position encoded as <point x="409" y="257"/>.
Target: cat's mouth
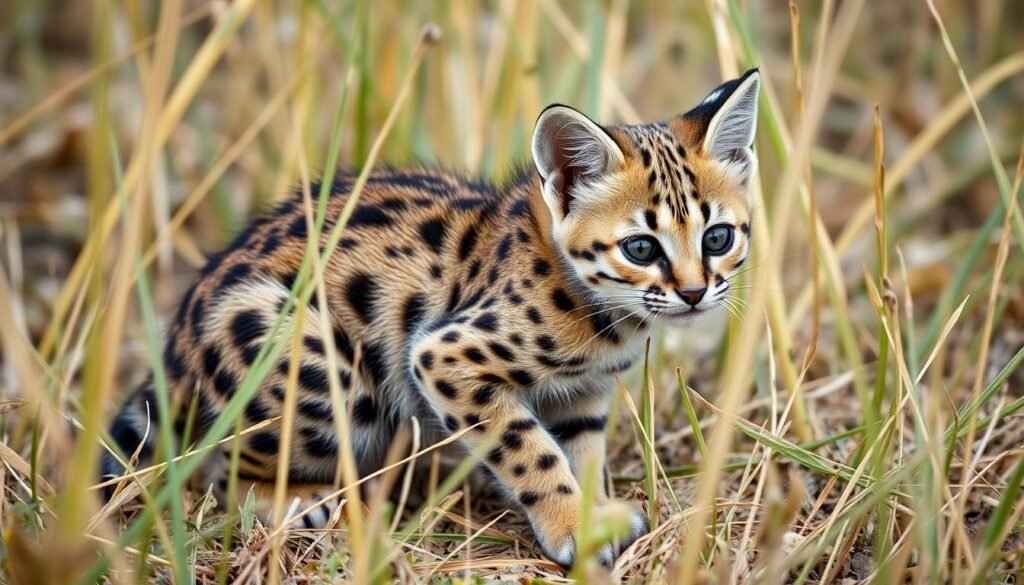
<point x="681" y="315"/>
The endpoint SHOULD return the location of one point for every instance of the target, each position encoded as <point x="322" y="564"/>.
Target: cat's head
<point x="655" y="217"/>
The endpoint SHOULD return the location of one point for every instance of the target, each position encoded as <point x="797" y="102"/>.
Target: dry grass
<point x="855" y="419"/>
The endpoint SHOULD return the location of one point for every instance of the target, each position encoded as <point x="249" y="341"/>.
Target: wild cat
<point x="507" y="309"/>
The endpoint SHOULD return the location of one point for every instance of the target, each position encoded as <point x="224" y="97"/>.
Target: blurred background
<point x="243" y="99"/>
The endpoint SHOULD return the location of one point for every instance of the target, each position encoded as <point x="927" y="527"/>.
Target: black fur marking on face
<point x="474" y="355"/>
<point x="483" y="394"/>
<point x="646" y="156"/>
<point x="413" y="312"/>
<point x="562" y="300"/>
<point x="433" y="232"/>
<point x="569" y="429"/>
<point x="547" y="461"/>
<point x="652" y="178"/>
<point x="541" y="267"/>
<point x="265" y="443"/>
<point x="745" y="228"/>
<point x="705" y="210"/>
<point x="521" y="377"/>
<point x="652" y="220"/>
<point x="501" y="351"/>
<point x="604" y="327"/>
<point x="365" y="410"/>
<point x="605" y="276"/>
<point x="719" y="280"/>
<point x="446" y="389"/>
<point x="361" y="291"/>
<point x="486" y="322"/>
<point x="225" y="383"/>
<point x="564" y="489"/>
<point x="600" y="246"/>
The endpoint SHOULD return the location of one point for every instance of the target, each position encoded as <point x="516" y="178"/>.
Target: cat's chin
<point x="683" y="318"/>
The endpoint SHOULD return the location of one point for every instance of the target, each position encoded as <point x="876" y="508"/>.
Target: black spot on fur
<point x="436" y="272"/>
<point x="467" y="243"/>
<point x="483" y="394"/>
<point x="360" y="292"/>
<point x="451" y="423"/>
<point x="529" y="498"/>
<point x="174" y="363"/>
<point x="197" y="319"/>
<point x="373" y="363"/>
<point x="546" y="342"/>
<point x="522" y="424"/>
<point x="433" y="232"/>
<point x="298" y="228"/>
<point x="705" y="210"/>
<point x="496" y="456"/>
<point x="534" y="315"/>
<point x="446" y="388"/>
<point x="519" y="470"/>
<point x="427" y="360"/>
<point x="519" y="208"/>
<point x="255" y="411"/>
<point x="315" y="409"/>
<point x="600" y="246"/>
<point x="547" y="461"/>
<point x="501" y="351"/>
<point x="516" y="339"/>
<point x="264" y="442"/>
<point x="368" y="216"/>
<point x="652" y="219"/>
<point x="225" y="383"/>
<point x="313" y="344"/>
<point x="343" y="344"/>
<point x="521" y="377"/>
<point x="562" y="300"/>
<point x="472" y="419"/>
<point x="486" y="322"/>
<point x="364" y="410"/>
<point x="564" y="489"/>
<point x="541" y="267"/>
<point x="569" y="429"/>
<point x="512" y="441"/>
<point x="314" y="378"/>
<point x="474" y="355"/>
<point x="321" y="446"/>
<point x="413" y="312"/>
<point x="211" y="359"/>
<point x="505" y="247"/>
<point x="451" y="336"/>
<point x="247" y="327"/>
<point x="234" y="275"/>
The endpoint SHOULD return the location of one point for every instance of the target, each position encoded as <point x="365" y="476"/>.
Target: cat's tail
<point x="133" y="432"/>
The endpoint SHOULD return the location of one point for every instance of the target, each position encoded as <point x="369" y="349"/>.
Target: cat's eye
<point x="641" y="249"/>
<point x="718" y="240"/>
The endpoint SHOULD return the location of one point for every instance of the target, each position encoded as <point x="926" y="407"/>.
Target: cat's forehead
<point x="681" y="188"/>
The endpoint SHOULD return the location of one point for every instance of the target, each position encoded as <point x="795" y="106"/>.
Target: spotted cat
<point x="465" y="304"/>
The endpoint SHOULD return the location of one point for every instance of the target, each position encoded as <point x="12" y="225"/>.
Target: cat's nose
<point x="692" y="296"/>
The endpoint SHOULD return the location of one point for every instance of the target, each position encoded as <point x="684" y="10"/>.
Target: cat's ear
<point x="571" y="150"/>
<point x="730" y="115"/>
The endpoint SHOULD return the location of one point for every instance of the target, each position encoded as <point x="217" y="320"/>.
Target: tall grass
<point x="855" y="417"/>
